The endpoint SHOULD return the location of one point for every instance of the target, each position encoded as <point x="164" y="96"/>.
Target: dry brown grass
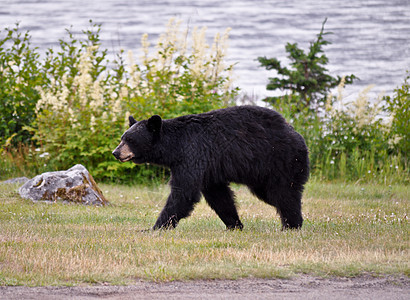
<point x="348" y="230"/>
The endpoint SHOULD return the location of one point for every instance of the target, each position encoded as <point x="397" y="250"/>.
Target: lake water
<point x="371" y="38"/>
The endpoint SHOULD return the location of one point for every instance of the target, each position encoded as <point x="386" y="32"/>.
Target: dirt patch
<point x="301" y="287"/>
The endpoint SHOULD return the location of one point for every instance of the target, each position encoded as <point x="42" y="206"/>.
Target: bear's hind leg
<point x="287" y="202"/>
<point x="289" y="206"/>
<point x="220" y="198"/>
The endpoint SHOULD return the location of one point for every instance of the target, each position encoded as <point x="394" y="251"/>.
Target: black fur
<point x="245" y="144"/>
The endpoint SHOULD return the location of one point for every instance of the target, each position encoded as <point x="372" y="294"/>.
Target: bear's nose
<point x="116" y="153"/>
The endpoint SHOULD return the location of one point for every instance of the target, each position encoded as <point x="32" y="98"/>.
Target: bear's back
<point x="235" y="117"/>
<point x="240" y="131"/>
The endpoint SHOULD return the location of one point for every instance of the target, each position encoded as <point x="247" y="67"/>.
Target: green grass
<point x="349" y="230"/>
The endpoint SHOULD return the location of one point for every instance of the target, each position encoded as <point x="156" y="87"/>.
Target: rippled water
<point x="370" y="39"/>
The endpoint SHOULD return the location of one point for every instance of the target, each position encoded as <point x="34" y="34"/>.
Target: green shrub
<point x="83" y="112"/>
<point x="398" y="108"/>
<point x="174" y="80"/>
<point x="20" y="74"/>
<point x="354" y="142"/>
<point x="347" y="141"/>
<point x="350" y="141"/>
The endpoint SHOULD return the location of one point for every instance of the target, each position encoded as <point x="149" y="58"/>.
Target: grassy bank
<point x="348" y="230"/>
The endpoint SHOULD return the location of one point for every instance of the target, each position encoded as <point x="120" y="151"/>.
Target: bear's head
<point x="138" y="141"/>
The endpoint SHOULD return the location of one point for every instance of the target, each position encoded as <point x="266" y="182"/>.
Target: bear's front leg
<point x="180" y="204"/>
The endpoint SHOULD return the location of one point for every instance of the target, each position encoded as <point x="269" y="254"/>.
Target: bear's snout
<point x="116" y="153"/>
<point x="123" y="152"/>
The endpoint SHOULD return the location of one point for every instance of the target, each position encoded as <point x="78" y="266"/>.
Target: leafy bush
<point x="173" y="81"/>
<point x="398" y="107"/>
<point x="348" y="141"/>
<point x="20" y="74"/>
<point x="83" y="112"/>
<point x="351" y="140"/>
<point x="352" y="134"/>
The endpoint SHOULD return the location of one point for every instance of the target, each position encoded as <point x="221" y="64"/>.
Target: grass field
<point x="348" y="230"/>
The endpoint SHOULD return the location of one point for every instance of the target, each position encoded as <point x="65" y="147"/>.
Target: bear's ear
<point x="131" y="120"/>
<point x="154" y="124"/>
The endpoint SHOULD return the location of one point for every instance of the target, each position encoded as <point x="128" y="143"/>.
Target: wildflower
<point x="145" y="48"/>
<point x="135" y="75"/>
<point x="329" y="107"/>
<point x="340" y="89"/>
<point x="394" y="140"/>
<point x="44" y="154"/>
<point x="96" y="98"/>
<point x="198" y="51"/>
<point x="180" y="98"/>
<point x="116" y="109"/>
<point x="127" y="115"/>
<point x="92" y="123"/>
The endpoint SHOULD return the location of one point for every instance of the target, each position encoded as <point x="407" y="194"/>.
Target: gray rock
<point x="18" y="180"/>
<point x="74" y="185"/>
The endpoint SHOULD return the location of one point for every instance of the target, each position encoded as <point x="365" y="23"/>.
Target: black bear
<point x="248" y="145"/>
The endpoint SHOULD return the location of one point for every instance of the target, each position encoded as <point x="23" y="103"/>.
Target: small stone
<point x="73" y="185"/>
<point x="18" y="180"/>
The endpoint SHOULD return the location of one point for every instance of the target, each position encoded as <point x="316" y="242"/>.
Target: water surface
<point x="371" y="38"/>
